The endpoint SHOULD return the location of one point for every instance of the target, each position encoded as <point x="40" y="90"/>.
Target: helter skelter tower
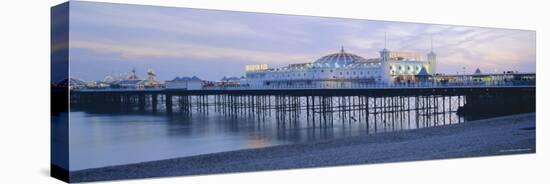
<point x="133" y="75"/>
<point x="151" y="75"/>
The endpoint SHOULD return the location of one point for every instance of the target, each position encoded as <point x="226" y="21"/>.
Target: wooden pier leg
<point x="168" y="102"/>
<point x="154" y="102"/>
<point x="367" y="112"/>
<point x="141" y="102"/>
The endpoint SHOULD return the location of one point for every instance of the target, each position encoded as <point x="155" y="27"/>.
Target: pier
<point x="428" y="106"/>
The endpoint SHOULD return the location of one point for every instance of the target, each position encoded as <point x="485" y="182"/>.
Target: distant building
<point x="477" y="72"/>
<point x="229" y="81"/>
<point x="423" y="75"/>
<point x="150" y="82"/>
<point x="128" y="83"/>
<point x="133" y="81"/>
<point x="97" y="85"/>
<point x="189" y="83"/>
<point x="72" y="83"/>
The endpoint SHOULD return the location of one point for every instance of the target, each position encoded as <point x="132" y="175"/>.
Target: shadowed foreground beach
<point x="496" y="136"/>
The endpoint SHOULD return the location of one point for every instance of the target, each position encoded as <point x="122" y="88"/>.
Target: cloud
<point x="136" y="51"/>
<point x="456" y="46"/>
<point x="177" y="23"/>
<point x="153" y="34"/>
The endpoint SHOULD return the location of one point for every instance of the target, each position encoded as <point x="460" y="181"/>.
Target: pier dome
<point x="337" y="60"/>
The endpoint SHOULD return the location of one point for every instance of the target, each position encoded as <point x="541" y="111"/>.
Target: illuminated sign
<point x="405" y="54"/>
<point x="255" y="67"/>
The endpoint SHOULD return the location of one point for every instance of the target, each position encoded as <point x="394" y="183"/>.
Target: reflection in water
<point x="117" y="134"/>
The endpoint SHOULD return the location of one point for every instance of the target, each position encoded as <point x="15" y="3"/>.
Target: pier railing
<point x="377" y="85"/>
<point x="337" y="86"/>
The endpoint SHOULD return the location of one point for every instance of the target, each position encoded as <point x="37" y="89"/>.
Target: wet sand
<point x="496" y="136"/>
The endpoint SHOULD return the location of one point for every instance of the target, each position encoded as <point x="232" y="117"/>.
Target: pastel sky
<point x="114" y="38"/>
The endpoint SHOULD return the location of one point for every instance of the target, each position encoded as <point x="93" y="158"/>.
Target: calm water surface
<point x="104" y="139"/>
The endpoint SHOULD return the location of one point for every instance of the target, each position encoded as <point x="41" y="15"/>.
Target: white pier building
<point x="343" y="69"/>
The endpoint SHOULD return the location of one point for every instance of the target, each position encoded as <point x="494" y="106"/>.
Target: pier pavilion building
<point x="343" y="69"/>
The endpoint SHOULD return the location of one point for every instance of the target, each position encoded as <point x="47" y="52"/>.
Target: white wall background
<point x="24" y="94"/>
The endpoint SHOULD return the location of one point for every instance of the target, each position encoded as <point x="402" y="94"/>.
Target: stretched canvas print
<point x="146" y="91"/>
